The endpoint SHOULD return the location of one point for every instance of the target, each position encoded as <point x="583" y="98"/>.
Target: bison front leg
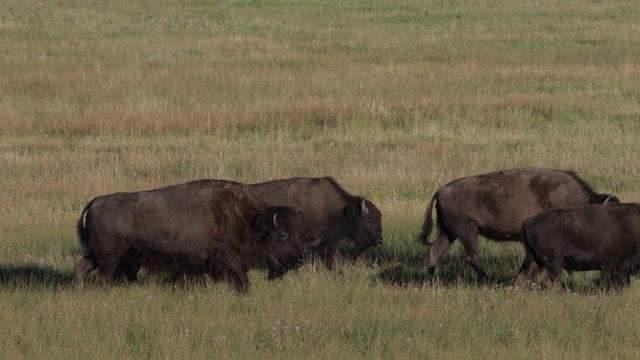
<point x="241" y="282"/>
<point x="237" y="278"/>
<point x="232" y="271"/>
<point x="330" y="258"/>
<point x="555" y="268"/>
<point x="528" y="270"/>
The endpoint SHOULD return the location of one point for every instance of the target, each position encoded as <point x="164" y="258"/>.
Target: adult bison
<point x="205" y="226"/>
<point x="330" y="214"/>
<point x="592" y="237"/>
<point x="494" y="205"/>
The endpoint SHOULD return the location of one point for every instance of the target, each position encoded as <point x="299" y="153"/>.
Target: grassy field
<point x="392" y="98"/>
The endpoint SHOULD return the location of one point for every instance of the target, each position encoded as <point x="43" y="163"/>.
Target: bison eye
<point x="283" y="235"/>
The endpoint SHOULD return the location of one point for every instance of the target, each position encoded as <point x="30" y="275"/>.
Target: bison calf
<point x="205" y="226"/>
<point x="592" y="237"/>
<point x="494" y="205"/>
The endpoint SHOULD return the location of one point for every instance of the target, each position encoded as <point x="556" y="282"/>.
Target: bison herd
<point x="224" y="228"/>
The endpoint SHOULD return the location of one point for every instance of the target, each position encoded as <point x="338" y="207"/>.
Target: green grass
<point x="393" y="99"/>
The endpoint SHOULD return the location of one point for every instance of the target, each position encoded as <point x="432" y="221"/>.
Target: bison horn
<point x="606" y="200"/>
<point x="275" y="221"/>
<point x="363" y="208"/>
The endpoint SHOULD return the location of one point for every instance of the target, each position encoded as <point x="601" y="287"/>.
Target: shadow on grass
<point x="33" y="277"/>
<point x="408" y="266"/>
<point x="404" y="266"/>
<point x="452" y="270"/>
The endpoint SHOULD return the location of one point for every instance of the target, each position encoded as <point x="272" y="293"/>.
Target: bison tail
<point x="525" y="237"/>
<point x="83" y="233"/>
<point x="427" y="226"/>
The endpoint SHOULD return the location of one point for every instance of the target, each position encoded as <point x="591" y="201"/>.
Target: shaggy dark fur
<point x="330" y="214"/>
<point x="494" y="205"/>
<point x="591" y="237"/>
<point x="205" y="226"/>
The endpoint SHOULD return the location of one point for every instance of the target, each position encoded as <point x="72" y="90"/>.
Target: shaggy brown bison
<point x="592" y="237"/>
<point x="330" y="214"/>
<point x="205" y="226"/>
<point x="494" y="205"/>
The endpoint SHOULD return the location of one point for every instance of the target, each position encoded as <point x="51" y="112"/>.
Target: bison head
<point x="366" y="223"/>
<point x="280" y="244"/>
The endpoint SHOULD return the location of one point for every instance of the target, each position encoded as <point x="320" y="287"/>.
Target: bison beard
<point x="206" y="226"/>
<point x="494" y="205"/>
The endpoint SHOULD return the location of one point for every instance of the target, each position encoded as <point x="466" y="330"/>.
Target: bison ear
<point x="263" y="222"/>
<point x="352" y="211"/>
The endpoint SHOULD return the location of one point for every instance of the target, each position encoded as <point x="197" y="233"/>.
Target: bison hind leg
<point x="528" y="270"/>
<point x="83" y="267"/>
<point x="106" y="273"/>
<point x="615" y="279"/>
<point x="128" y="270"/>
<point x="437" y="249"/>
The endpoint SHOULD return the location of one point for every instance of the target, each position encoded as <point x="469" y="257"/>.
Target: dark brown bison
<point x="330" y="214"/>
<point x="592" y="237"/>
<point x="494" y="205"/>
<point x="205" y="226"/>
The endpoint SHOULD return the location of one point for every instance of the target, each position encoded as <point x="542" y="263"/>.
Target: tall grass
<point x="393" y="99"/>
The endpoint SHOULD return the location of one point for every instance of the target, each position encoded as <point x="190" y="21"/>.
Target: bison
<point x="494" y="205"/>
<point x="205" y="226"/>
<point x="591" y="237"/>
<point x="330" y="214"/>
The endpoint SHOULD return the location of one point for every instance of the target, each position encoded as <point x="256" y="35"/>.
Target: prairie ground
<point x="392" y="99"/>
